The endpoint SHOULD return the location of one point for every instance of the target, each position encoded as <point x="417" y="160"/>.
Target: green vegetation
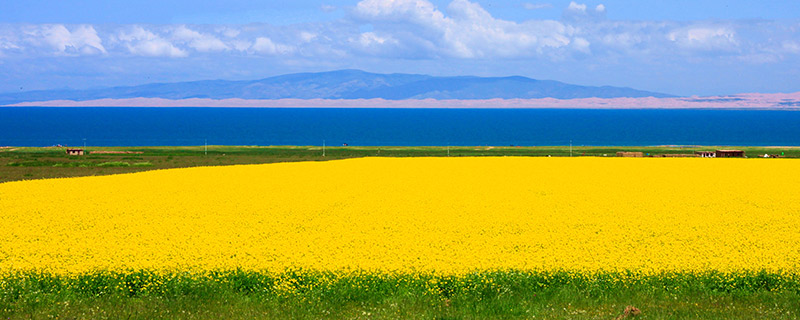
<point x="315" y="295"/>
<point x="114" y="164"/>
<point x="37" y="163"/>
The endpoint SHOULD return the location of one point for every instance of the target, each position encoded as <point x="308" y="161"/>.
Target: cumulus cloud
<point x="415" y="11"/>
<point x="579" y="12"/>
<point x="142" y="42"/>
<point x="81" y="40"/>
<point x="199" y="41"/>
<point x="466" y="30"/>
<point x="265" y="45"/>
<point x="576" y="7"/>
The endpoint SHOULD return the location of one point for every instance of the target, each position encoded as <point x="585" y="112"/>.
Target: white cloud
<point x="264" y="45"/>
<point x="579" y="12"/>
<point x="85" y="38"/>
<point x="199" y="41"/>
<point x="143" y="42"/>
<point x="415" y="11"/>
<point x="7" y="44"/>
<point x="536" y="6"/>
<point x="707" y="38"/>
<point x="56" y="36"/>
<point x="229" y="31"/>
<point x="466" y="31"/>
<point x="307" y="36"/>
<point x="241" y="45"/>
<point x="581" y="45"/>
<point x="370" y="38"/>
<point x="372" y="43"/>
<point x="573" y="6"/>
<point x="82" y="40"/>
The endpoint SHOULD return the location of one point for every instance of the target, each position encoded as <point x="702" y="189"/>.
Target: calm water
<point x="397" y="127"/>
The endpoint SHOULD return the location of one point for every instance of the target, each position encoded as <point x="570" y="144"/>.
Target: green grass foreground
<point x="329" y="295"/>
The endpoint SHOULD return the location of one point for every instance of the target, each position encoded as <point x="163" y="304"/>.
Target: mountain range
<point x="344" y="84"/>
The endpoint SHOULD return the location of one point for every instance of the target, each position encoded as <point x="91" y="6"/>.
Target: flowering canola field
<point x="440" y="215"/>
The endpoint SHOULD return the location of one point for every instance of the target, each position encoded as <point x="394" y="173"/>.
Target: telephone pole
<point x="570" y="148"/>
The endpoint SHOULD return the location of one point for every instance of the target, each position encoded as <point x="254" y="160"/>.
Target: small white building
<point x="706" y="154"/>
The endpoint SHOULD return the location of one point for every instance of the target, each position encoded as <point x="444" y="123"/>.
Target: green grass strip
<point x="314" y="294"/>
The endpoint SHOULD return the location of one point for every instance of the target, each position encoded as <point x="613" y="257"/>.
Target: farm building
<point x="630" y="154"/>
<point x="75" y="152"/>
<point x="730" y="154"/>
<point x="705" y="154"/>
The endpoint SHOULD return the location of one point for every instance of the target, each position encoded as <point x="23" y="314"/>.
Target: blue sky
<point x="679" y="47"/>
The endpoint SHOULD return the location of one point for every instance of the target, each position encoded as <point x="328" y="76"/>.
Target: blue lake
<point x="394" y="127"/>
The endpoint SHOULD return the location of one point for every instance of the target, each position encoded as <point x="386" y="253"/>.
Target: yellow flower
<point x="428" y="215"/>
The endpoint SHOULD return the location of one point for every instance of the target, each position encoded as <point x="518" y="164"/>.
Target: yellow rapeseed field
<point x="441" y="215"/>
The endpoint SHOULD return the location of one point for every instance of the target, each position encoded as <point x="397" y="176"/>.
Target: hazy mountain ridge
<point x="344" y="84"/>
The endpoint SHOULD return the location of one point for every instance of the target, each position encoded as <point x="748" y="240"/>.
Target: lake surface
<point x="394" y="127"/>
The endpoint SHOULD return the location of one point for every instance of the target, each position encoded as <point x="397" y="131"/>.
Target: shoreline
<point x="753" y="101"/>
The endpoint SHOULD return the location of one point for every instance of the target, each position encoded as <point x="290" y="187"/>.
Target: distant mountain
<point x="344" y="84"/>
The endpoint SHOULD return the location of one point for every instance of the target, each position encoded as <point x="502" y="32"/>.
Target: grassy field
<point x="25" y="163"/>
<point x="320" y="295"/>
